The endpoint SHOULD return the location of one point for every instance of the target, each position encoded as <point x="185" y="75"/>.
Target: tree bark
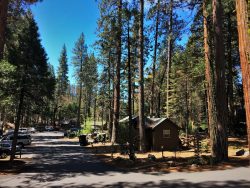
<point x="117" y="75"/>
<point x="3" y="20"/>
<point x="18" y="120"/>
<point x="169" y="58"/>
<point x="152" y="105"/>
<point x="167" y="66"/>
<point x="230" y="96"/>
<point x="78" y="123"/>
<point x="244" y="47"/>
<point x="129" y="86"/>
<point x="94" y="112"/>
<point x="142" y="146"/>
<point x="210" y="85"/>
<point x="219" y="143"/>
<point x="110" y="122"/>
<point x="187" y="102"/>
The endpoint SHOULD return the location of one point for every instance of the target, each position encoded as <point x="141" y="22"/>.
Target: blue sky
<point x="62" y="21"/>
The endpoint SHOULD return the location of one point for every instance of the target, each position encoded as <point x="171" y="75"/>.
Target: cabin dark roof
<point x="150" y="123"/>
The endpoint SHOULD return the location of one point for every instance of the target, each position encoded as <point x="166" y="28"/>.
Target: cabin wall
<point x="170" y="143"/>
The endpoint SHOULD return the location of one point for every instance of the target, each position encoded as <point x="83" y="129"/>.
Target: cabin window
<point x="166" y="133"/>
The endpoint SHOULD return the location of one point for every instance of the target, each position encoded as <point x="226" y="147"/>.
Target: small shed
<point x="159" y="132"/>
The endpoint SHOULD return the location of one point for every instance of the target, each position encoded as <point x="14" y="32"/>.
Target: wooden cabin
<point x="160" y="133"/>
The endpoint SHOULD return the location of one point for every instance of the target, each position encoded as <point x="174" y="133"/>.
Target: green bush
<point x="202" y="160"/>
<point x="87" y="128"/>
<point x="123" y="133"/>
<point x="72" y="135"/>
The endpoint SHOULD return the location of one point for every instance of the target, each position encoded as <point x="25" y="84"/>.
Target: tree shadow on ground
<point x="165" y="164"/>
<point x="11" y="167"/>
<point x="59" y="160"/>
<point x="181" y="184"/>
<point x="163" y="183"/>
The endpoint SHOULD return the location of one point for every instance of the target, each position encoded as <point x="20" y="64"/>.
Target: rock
<point x="194" y="166"/>
<point x="246" y="154"/>
<point x="240" y="152"/>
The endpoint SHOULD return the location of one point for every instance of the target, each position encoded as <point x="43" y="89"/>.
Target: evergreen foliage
<point x="149" y="61"/>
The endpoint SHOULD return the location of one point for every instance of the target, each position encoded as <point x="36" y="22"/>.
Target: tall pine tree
<point x="79" y="58"/>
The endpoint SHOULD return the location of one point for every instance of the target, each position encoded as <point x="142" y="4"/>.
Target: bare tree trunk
<point x="158" y="111"/>
<point x="142" y="146"/>
<point x="117" y="75"/>
<point x="167" y="66"/>
<point x="79" y="105"/>
<point x="95" y="112"/>
<point x="3" y="20"/>
<point x="78" y="123"/>
<point x="230" y="96"/>
<point x="85" y="107"/>
<point x="129" y="86"/>
<point x="211" y="109"/>
<point x="110" y="122"/>
<point x="18" y="120"/>
<point x="55" y="108"/>
<point x="187" y="102"/>
<point x="152" y="105"/>
<point x="170" y="25"/>
<point x="244" y="47"/>
<point x="133" y="97"/>
<point x="219" y="143"/>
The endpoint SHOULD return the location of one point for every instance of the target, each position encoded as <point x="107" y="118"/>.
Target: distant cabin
<point x="159" y="132"/>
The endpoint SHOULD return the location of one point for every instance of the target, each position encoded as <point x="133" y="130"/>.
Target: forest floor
<point x="179" y="161"/>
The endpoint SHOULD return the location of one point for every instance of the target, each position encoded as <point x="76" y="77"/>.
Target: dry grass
<point x="171" y="161"/>
<point x="234" y="145"/>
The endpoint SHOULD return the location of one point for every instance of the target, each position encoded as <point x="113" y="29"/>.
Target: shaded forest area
<point x="143" y="67"/>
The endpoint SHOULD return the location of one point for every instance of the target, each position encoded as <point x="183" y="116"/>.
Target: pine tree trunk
<point x="78" y="123"/>
<point x="167" y="66"/>
<point x="129" y="86"/>
<point x="133" y="97"/>
<point x="79" y="106"/>
<point x="142" y="146"/>
<point x="18" y="120"/>
<point x="169" y="58"/>
<point x="244" y="47"/>
<point x="110" y="101"/>
<point x="219" y="143"/>
<point x="94" y="112"/>
<point x="85" y="107"/>
<point x="117" y="75"/>
<point x="230" y="75"/>
<point x="211" y="108"/>
<point x="3" y="19"/>
<point x="187" y="102"/>
<point x="152" y="105"/>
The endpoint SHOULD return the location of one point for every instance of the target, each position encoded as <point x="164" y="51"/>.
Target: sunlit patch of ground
<point x="169" y="161"/>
